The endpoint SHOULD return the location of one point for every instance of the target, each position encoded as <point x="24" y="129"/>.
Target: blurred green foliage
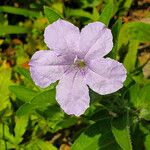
<point x="30" y="118"/>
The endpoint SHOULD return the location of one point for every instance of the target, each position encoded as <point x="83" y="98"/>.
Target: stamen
<point x="80" y="63"/>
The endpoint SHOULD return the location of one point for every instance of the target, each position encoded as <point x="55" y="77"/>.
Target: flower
<point x="76" y="59"/>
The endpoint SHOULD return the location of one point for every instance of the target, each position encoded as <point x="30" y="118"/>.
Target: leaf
<point x="20" y="128"/>
<point x="6" y="145"/>
<point x="24" y="72"/>
<point x="140" y="98"/>
<point x="120" y="129"/>
<point x="81" y="13"/>
<point x="138" y="31"/>
<point x="115" y="31"/>
<point x="65" y="123"/>
<point x="127" y="4"/>
<point x="40" y="102"/>
<point x="51" y="14"/>
<point x="23" y="93"/>
<point x="20" y="11"/>
<point x="144" y="102"/>
<point x="5" y="82"/>
<point x="131" y="57"/>
<point x="147" y="142"/>
<point x="5" y="134"/>
<point x="38" y="144"/>
<point x="12" y="29"/>
<point x="97" y="137"/>
<point x="107" y="14"/>
<point x="45" y="145"/>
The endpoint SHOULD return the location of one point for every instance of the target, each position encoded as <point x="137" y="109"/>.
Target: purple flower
<point x="76" y="59"/>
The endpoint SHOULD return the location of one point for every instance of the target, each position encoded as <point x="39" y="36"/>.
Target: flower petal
<point x="105" y="76"/>
<point x="73" y="94"/>
<point x="46" y="67"/>
<point x="62" y="36"/>
<point x="96" y="40"/>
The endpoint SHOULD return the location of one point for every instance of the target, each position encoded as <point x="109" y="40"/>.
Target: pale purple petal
<point x="72" y="93"/>
<point x="46" y="67"/>
<point x="62" y="36"/>
<point x="105" y="76"/>
<point x="96" y="40"/>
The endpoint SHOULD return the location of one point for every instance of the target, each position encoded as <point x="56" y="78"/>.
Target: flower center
<point x="80" y="63"/>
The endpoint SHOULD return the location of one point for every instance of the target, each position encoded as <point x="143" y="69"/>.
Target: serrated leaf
<point x="5" y="82"/>
<point x="20" y="128"/>
<point x="120" y="129"/>
<point x="97" y="137"/>
<point x="23" y="93"/>
<point x="140" y="98"/>
<point x="51" y="14"/>
<point x="40" y="102"/>
<point x="6" y="145"/>
<point x="5" y="134"/>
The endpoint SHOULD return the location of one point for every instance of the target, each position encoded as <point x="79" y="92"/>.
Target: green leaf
<point x="107" y="14"/>
<point x="81" y="13"/>
<point x="45" y="145"/>
<point x="5" y="82"/>
<point x="134" y="92"/>
<point x="40" y="102"/>
<point x="97" y="137"/>
<point x="6" y="145"/>
<point x="65" y="123"/>
<point x="120" y="129"/>
<point x="130" y="31"/>
<point x="20" y="128"/>
<point x="12" y="29"/>
<point x="147" y="142"/>
<point x="144" y="102"/>
<point x="131" y="57"/>
<point x="20" y="11"/>
<point x="38" y="144"/>
<point x="24" y="72"/>
<point x="140" y="98"/>
<point x="115" y="31"/>
<point x="23" y="93"/>
<point x="51" y="14"/>
<point x="5" y="134"/>
<point x="127" y="4"/>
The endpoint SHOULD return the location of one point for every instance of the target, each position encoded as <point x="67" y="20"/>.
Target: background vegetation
<point x="30" y="118"/>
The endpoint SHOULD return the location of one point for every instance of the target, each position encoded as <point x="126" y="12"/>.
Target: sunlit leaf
<point x="106" y="14"/>
<point x="5" y="82"/>
<point x="20" y="128"/>
<point x="51" y="14"/>
<point x="131" y="57"/>
<point x="138" y="31"/>
<point x="147" y="142"/>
